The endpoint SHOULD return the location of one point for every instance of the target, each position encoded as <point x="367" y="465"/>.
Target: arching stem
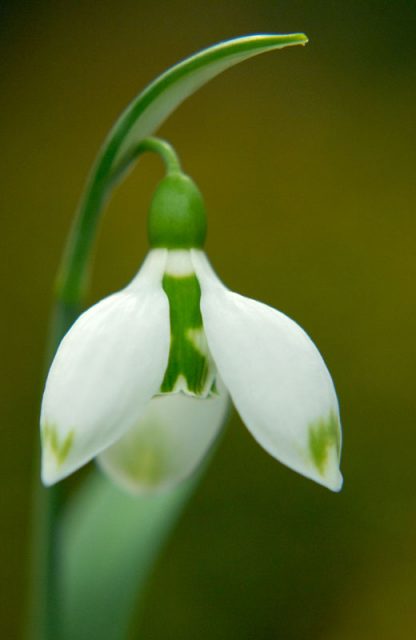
<point x="155" y="145"/>
<point x="73" y="274"/>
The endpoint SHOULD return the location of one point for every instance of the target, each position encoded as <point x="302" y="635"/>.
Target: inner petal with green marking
<point x="190" y="369"/>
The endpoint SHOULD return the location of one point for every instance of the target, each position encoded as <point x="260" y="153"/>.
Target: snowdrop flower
<point x="142" y="380"/>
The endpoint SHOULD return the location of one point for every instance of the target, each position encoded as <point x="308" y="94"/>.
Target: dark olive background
<point x="306" y="159"/>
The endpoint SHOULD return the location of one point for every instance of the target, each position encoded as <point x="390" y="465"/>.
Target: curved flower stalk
<point x="142" y="380"/>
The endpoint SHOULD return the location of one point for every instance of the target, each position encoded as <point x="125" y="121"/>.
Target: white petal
<point x="168" y="443"/>
<point x="276" y="377"/>
<point x="106" y="370"/>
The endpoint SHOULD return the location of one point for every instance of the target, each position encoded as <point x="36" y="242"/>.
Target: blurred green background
<point x="306" y="159"/>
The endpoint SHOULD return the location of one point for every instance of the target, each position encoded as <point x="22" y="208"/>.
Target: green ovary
<point x="59" y="449"/>
<point x="324" y="434"/>
<point x="190" y="368"/>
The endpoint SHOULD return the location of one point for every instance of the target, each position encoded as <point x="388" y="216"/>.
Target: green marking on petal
<point x="143" y="458"/>
<point x="324" y="434"/>
<point x="190" y="368"/>
<point x="59" y="449"/>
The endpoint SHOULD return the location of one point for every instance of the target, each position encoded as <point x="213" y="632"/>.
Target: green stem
<point x="145" y="114"/>
<point x="46" y="591"/>
<point x="46" y="588"/>
<point x="73" y="273"/>
<point x="155" y="145"/>
<point x="45" y="597"/>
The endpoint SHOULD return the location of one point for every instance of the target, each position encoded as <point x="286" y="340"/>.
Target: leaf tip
<point x="300" y="38"/>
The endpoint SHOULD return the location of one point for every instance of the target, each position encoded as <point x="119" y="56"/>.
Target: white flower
<point x="142" y="381"/>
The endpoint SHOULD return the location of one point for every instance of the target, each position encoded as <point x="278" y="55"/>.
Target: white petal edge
<point x="105" y="371"/>
<point x="276" y="376"/>
<point x="167" y="444"/>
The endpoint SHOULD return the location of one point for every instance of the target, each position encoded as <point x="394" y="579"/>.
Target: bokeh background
<point x="306" y="159"/>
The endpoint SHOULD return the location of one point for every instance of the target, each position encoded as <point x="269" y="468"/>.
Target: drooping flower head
<point x="143" y="379"/>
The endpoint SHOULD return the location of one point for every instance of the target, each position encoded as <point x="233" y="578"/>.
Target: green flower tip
<point x="177" y="217"/>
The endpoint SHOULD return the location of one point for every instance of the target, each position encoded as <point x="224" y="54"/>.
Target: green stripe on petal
<point x="190" y="368"/>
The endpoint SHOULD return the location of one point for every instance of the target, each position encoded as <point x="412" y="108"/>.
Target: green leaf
<point x="141" y="118"/>
<point x="110" y="542"/>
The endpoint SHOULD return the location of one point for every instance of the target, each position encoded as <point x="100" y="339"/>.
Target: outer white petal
<point x="168" y="442"/>
<point x="276" y="377"/>
<point x="106" y="369"/>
